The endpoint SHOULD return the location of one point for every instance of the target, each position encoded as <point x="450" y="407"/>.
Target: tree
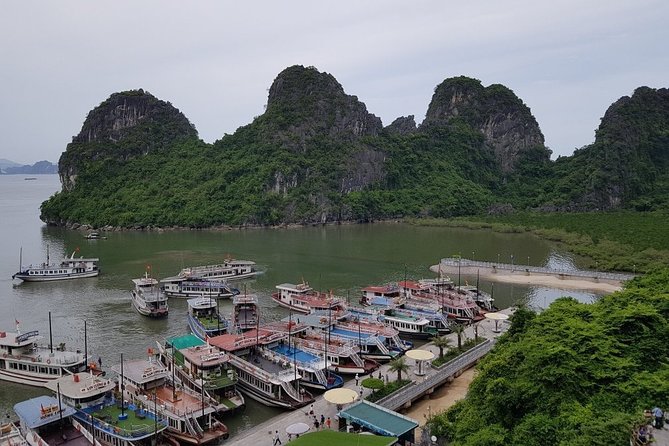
<point x="459" y="330"/>
<point x="399" y="365"/>
<point x="441" y="342"/>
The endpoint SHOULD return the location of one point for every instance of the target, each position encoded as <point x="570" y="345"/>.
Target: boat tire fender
<point x="48" y="361"/>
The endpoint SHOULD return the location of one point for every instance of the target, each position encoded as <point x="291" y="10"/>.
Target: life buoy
<point x="48" y="361"/>
<point x="336" y="369"/>
<point x="4" y="355"/>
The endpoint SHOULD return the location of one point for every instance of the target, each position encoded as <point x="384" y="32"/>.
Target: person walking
<point x="322" y="420"/>
<point x="357" y="379"/>
<point x="328" y="422"/>
<point x="659" y="418"/>
<point x="277" y="438"/>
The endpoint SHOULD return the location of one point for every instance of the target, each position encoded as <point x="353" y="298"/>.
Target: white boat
<point x="23" y="361"/>
<point x="10" y="435"/>
<point x="190" y="415"/>
<point x="204" y="320"/>
<point x="342" y="355"/>
<point x="97" y="416"/>
<point x="147" y="298"/>
<point x="43" y="421"/>
<point x="304" y="299"/>
<point x="69" y="268"/>
<point x="230" y="269"/>
<point x="245" y="312"/>
<point x="187" y="287"/>
<point x="197" y="365"/>
<point x="95" y="236"/>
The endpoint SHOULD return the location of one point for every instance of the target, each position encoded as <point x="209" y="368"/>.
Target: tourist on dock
<point x="328" y="422"/>
<point x="311" y="409"/>
<point x="322" y="420"/>
<point x="659" y="417"/>
<point x="277" y="438"/>
<point x="316" y="424"/>
<point x="357" y="379"/>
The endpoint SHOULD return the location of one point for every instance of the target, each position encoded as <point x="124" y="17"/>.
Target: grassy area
<point x="333" y="438"/>
<point x="621" y="241"/>
<point x="386" y="390"/>
<point x="454" y="352"/>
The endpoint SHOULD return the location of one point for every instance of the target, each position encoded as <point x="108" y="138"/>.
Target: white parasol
<point x="297" y="428"/>
<point x="497" y="317"/>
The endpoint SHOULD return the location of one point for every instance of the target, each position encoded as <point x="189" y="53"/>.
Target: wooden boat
<point x="69" y="268"/>
<point x="10" y="435"/>
<point x="204" y="320"/>
<point x="147" y="298"/>
<point x="204" y="369"/>
<point x="245" y="314"/>
<point x="187" y="287"/>
<point x="343" y="357"/>
<point x="190" y="415"/>
<point x="230" y="269"/>
<point x="101" y="415"/>
<point x="304" y="299"/>
<point x="24" y="361"/>
<point x="266" y="380"/>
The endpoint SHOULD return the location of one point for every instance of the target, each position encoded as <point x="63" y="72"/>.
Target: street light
<point x="511" y="262"/>
<point x="498" y="258"/>
<point x="473" y="252"/>
<point x="528" y="260"/>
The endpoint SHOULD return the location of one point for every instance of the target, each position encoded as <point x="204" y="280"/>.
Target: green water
<point x="340" y="258"/>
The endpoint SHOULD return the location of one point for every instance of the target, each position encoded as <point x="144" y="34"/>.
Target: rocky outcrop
<point x="404" y="125"/>
<point x="127" y="125"/>
<point x="504" y="120"/>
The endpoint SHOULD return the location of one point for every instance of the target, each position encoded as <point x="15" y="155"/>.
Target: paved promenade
<point x="262" y="434"/>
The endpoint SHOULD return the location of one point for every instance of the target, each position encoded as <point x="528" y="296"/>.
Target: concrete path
<point x="262" y="434"/>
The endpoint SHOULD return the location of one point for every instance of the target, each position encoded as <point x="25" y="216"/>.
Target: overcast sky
<point x="214" y="60"/>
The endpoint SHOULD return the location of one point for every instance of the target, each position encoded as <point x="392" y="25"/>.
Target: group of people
<point x="645" y="432"/>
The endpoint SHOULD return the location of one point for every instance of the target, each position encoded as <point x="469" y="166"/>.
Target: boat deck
<point x="179" y="403"/>
<point x="68" y="436"/>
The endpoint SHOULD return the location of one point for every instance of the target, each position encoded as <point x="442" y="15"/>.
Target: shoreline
<point x="522" y="277"/>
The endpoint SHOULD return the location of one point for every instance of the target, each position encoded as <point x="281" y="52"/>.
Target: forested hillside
<point x="318" y="155"/>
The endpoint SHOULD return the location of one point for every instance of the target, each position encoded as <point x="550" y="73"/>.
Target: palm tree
<point x="399" y="365"/>
<point x="441" y="342"/>
<point x="459" y="330"/>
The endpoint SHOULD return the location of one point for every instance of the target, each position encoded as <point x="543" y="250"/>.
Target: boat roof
<point x="384" y="289"/>
<point x="244" y="299"/>
<point x="18" y="339"/>
<point x="201" y="303"/>
<point x="317" y="320"/>
<point x="141" y="371"/>
<point x="266" y="334"/>
<point x="81" y="385"/>
<point x="145" y="281"/>
<point x="299" y="288"/>
<point x="42" y="410"/>
<point x="205" y="355"/>
<point x="185" y="341"/>
<point x="411" y="285"/>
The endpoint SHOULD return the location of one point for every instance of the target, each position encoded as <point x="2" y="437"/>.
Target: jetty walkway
<point x="262" y="434"/>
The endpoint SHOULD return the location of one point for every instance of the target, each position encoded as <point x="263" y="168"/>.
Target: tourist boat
<point x="456" y="306"/>
<point x="23" y="361"/>
<point x="108" y="417"/>
<point x="204" y="369"/>
<point x="409" y="323"/>
<point x="187" y="287"/>
<point x="94" y="236"/>
<point x="484" y="300"/>
<point x="69" y="268"/>
<point x="343" y="357"/>
<point x="10" y="435"/>
<point x="245" y="312"/>
<point x="189" y="415"/>
<point x="270" y="382"/>
<point x="304" y="299"/>
<point x="204" y="320"/>
<point x="43" y="421"/>
<point x="147" y="298"/>
<point x="389" y="295"/>
<point x="230" y="269"/>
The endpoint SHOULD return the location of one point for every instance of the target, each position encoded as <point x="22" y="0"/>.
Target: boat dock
<point x="423" y="386"/>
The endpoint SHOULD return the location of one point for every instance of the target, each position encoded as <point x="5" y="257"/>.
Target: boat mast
<point x="50" y="335"/>
<point x="60" y="406"/>
<point x="47" y="255"/>
<point x="122" y="388"/>
<point x="86" y="346"/>
<point x="21" y="259"/>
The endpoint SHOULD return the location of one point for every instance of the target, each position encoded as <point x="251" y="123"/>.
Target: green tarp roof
<point x="378" y="419"/>
<point x="185" y="341"/>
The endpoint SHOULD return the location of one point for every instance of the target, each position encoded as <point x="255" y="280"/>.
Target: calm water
<point x="342" y="258"/>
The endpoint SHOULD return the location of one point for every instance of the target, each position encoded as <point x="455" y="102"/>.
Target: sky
<point x="568" y="60"/>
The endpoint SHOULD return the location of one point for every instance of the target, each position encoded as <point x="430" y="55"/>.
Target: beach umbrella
<point x="340" y="396"/>
<point x="419" y="356"/>
<point x="297" y="428"/>
<point x="496" y="317"/>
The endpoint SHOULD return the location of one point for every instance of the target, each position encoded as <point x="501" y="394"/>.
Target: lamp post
<point x="511" y="262"/>
<point x="459" y="261"/>
<point x="473" y="252"/>
<point x="498" y="259"/>
<point x="528" y="260"/>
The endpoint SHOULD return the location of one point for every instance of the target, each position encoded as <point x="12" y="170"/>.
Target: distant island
<point x="8" y="167"/>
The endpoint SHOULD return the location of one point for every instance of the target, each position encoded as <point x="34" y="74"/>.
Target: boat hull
<point x="265" y="399"/>
<point x="291" y="307"/>
<point x="51" y="278"/>
<point x="142" y="309"/>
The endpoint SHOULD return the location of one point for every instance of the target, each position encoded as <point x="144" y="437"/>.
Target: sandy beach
<point x="525" y="278"/>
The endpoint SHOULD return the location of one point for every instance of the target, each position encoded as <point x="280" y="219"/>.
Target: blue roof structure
<point x="42" y="410"/>
<point x="378" y="419"/>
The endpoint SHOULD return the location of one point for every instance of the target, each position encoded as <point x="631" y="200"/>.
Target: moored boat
<point x="245" y="315"/>
<point x="24" y="361"/>
<point x="187" y="287"/>
<point x="43" y="421"/>
<point x="69" y="268"/>
<point x="230" y="269"/>
<point x="304" y="299"/>
<point x="147" y="298"/>
<point x="204" y="320"/>
<point x="94" y="236"/>
<point x="10" y="435"/>
<point x="343" y="357"/>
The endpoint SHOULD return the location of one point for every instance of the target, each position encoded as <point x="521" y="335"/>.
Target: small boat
<point x="204" y="319"/>
<point x="187" y="287"/>
<point x="105" y="414"/>
<point x="147" y="298"/>
<point x="95" y="236"/>
<point x="304" y="299"/>
<point x="197" y="364"/>
<point x="10" y="435"/>
<point x="190" y="415"/>
<point x="409" y="323"/>
<point x="342" y="355"/>
<point x="264" y="379"/>
<point x="69" y="268"/>
<point x="230" y="269"/>
<point x="46" y="422"/>
<point x="24" y="361"/>
<point x="245" y="312"/>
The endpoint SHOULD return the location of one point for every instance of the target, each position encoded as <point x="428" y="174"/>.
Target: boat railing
<point x="132" y="432"/>
<point x="345" y="350"/>
<point x="291" y="391"/>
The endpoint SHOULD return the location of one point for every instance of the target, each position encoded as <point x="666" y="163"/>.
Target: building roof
<point x="42" y="410"/>
<point x="378" y="419"/>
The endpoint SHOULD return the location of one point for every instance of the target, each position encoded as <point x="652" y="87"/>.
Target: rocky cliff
<point x="506" y="123"/>
<point x="127" y="125"/>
